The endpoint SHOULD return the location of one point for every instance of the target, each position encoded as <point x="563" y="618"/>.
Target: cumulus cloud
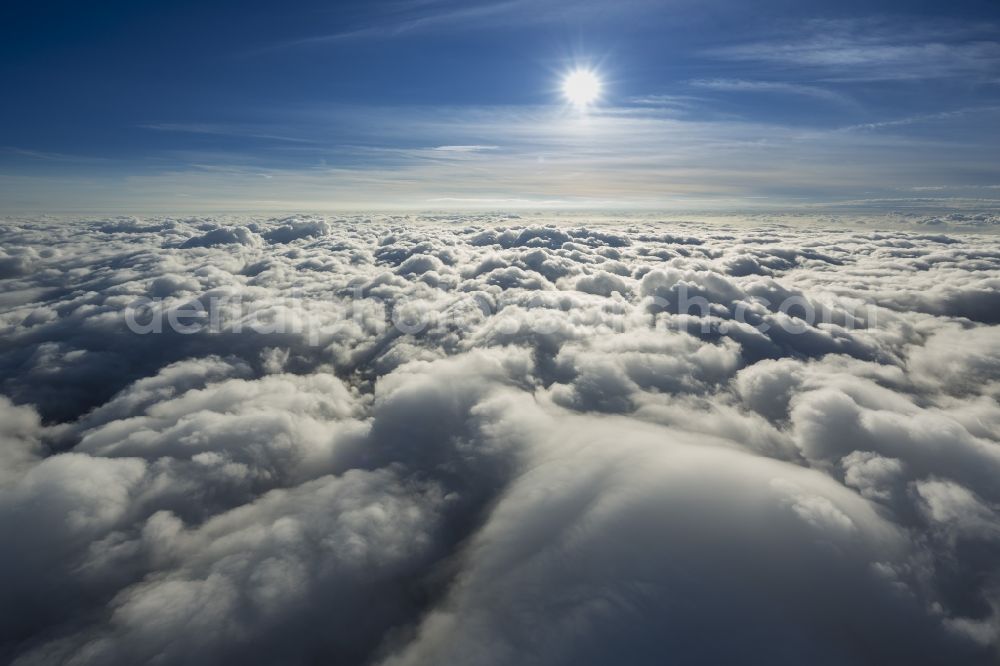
<point x="479" y="439"/>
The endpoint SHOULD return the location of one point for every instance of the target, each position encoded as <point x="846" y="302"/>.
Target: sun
<point x="581" y="87"/>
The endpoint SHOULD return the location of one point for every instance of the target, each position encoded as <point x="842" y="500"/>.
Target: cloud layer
<point x="482" y="439"/>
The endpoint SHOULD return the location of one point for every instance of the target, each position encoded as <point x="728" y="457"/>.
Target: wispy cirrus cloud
<point x="473" y="148"/>
<point x="669" y="102"/>
<point x="47" y="156"/>
<point x="922" y="118"/>
<point x="876" y="50"/>
<point x="414" y="17"/>
<point x="417" y="16"/>
<point x="776" y="87"/>
<point x="637" y="156"/>
<point x="223" y="129"/>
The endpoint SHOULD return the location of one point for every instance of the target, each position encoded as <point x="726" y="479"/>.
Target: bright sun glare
<point x="581" y="87"/>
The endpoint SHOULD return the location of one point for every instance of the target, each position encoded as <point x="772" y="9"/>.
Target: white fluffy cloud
<point x="481" y="439"/>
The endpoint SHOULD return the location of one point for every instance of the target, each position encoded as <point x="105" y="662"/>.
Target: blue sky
<point x="252" y="105"/>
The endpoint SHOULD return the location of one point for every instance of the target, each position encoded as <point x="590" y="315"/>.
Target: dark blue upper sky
<point x="431" y="103"/>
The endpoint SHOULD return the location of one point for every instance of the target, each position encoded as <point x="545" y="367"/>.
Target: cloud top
<point x="483" y="439"/>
